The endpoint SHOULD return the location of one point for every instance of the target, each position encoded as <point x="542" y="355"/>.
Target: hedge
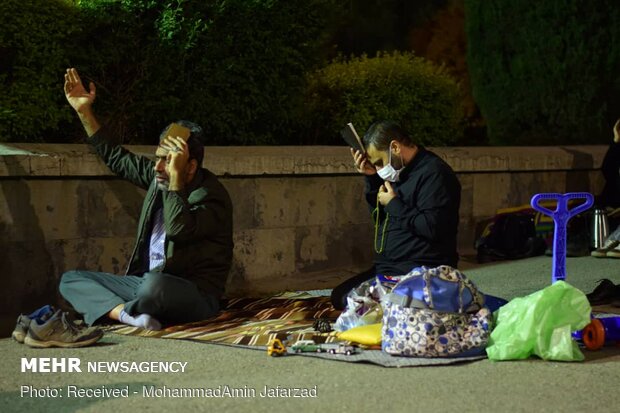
<point x="35" y="44"/>
<point x="545" y="72"/>
<point x="410" y="90"/>
<point x="235" y="66"/>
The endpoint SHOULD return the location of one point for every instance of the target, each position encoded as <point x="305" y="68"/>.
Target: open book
<point x="351" y="137"/>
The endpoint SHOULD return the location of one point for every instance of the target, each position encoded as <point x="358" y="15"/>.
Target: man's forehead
<point x="373" y="153"/>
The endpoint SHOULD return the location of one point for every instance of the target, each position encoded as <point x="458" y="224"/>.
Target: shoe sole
<point x="19" y="337"/>
<point x="599" y="254"/>
<point x="31" y="342"/>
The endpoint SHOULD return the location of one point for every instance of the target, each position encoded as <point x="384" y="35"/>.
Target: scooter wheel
<point x="594" y="335"/>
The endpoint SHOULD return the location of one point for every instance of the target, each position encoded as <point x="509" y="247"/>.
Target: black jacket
<point x="423" y="218"/>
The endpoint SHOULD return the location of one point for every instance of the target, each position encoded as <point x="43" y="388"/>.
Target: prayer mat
<point x="384" y="359"/>
<point x="253" y="322"/>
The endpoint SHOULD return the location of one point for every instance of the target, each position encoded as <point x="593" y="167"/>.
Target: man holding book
<point x="414" y="197"/>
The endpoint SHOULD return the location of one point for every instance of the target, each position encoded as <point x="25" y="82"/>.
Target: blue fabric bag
<point x="435" y="312"/>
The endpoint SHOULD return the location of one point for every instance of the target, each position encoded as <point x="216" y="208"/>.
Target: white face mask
<point x="388" y="173"/>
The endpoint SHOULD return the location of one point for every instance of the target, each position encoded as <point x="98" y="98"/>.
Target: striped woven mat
<point x="253" y="322"/>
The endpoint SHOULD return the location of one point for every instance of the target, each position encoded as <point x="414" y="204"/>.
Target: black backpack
<point x="508" y="237"/>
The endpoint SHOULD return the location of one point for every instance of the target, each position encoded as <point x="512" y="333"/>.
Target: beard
<point x="162" y="185"/>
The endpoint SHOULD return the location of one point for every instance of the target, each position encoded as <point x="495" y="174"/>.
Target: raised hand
<point x="178" y="154"/>
<point x="77" y="96"/>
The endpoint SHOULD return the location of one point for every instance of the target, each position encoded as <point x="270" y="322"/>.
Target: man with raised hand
<point x="179" y="266"/>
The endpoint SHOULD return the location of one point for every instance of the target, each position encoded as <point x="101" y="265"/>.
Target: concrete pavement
<point x="531" y="385"/>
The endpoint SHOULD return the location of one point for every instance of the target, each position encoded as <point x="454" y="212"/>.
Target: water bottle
<point x="600" y="228"/>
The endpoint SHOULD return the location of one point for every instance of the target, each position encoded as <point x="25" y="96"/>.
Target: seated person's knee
<point x="152" y="289"/>
<point x="66" y="279"/>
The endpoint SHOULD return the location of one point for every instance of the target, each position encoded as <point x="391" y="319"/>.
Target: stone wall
<point x="300" y="219"/>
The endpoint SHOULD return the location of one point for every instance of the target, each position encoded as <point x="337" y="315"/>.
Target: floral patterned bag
<point x="435" y="312"/>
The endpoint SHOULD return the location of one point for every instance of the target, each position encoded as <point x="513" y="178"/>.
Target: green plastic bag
<point x="541" y="324"/>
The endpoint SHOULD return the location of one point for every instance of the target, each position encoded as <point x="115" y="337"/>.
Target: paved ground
<point x="531" y="385"/>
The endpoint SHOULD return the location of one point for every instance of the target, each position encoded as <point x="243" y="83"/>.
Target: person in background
<point x="610" y="196"/>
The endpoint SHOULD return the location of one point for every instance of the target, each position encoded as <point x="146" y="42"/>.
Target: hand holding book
<point x="351" y="137"/>
<point x="362" y="165"/>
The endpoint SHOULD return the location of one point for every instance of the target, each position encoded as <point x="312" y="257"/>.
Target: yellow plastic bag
<point x="369" y="334"/>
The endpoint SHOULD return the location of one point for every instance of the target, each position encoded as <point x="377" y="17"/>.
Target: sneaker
<point x="59" y="331"/>
<point x="605" y="293"/>
<point x="614" y="253"/>
<point x="607" y="247"/>
<point x="23" y="321"/>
